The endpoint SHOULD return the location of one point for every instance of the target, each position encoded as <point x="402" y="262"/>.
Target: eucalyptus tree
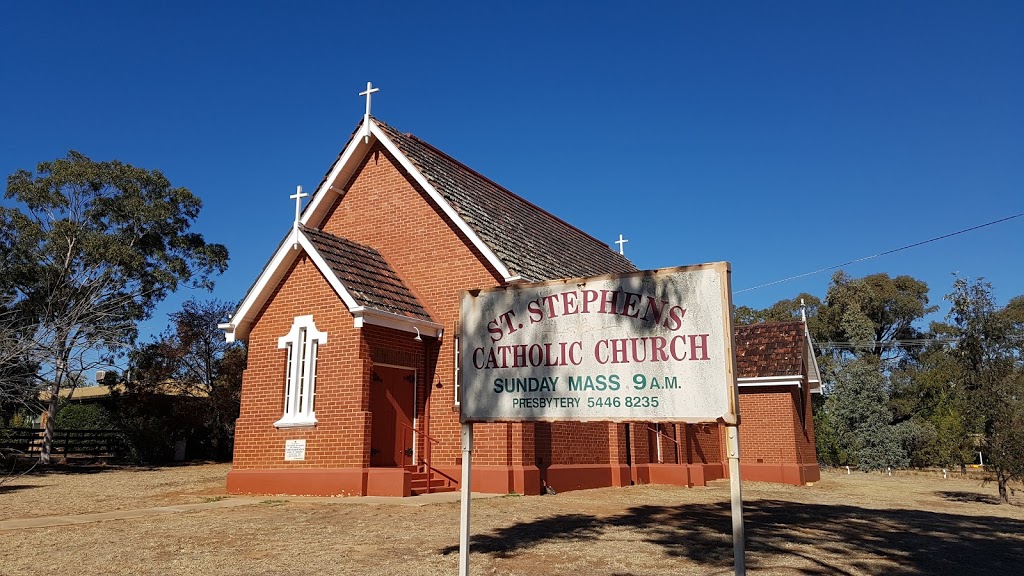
<point x="782" y="311"/>
<point x="991" y="375"/>
<point x="91" y="248"/>
<point x="873" y="315"/>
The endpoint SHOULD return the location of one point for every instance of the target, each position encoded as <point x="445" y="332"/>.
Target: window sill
<point x="310" y="423"/>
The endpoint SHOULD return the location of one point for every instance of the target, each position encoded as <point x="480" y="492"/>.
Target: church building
<point x="352" y="383"/>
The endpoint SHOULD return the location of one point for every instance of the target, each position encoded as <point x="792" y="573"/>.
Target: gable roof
<point x="530" y="241"/>
<point x="520" y="240"/>
<point x="773" y="354"/>
<point x="367" y="285"/>
<point x="369" y="279"/>
<point x="516" y="238"/>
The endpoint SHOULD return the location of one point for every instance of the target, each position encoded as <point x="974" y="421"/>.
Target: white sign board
<point x="654" y="345"/>
<point x="294" y="450"/>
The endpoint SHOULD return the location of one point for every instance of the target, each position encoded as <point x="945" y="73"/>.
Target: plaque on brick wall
<point x="294" y="450"/>
<point x="654" y="345"/>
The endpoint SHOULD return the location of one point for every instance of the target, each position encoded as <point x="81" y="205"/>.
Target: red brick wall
<point x="340" y="403"/>
<point x="384" y="208"/>
<point x="803" y="425"/>
<point x="704" y="444"/>
<point x="573" y="443"/>
<point x="766" y="429"/>
<point x="777" y="435"/>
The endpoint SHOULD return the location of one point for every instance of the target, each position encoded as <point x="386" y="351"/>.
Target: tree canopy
<point x="192" y="358"/>
<point x="869" y="314"/>
<point x="90" y="248"/>
<point x="900" y="395"/>
<point x="991" y="379"/>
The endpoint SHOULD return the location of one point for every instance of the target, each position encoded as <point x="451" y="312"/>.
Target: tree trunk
<point x="51" y="408"/>
<point x="1001" y="480"/>
<point x="51" y="418"/>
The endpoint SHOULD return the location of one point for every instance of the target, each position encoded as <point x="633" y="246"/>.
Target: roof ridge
<point x="463" y="166"/>
<point x="774" y="323"/>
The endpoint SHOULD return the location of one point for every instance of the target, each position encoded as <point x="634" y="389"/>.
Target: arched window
<point x="303" y="343"/>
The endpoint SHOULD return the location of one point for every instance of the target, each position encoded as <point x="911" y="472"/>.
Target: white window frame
<point x="657" y="435"/>
<point x="457" y="383"/>
<point x="303" y="344"/>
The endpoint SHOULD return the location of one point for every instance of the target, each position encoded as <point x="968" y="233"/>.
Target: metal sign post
<point x="467" y="458"/>
<point x="645" y="346"/>
<point x="732" y="434"/>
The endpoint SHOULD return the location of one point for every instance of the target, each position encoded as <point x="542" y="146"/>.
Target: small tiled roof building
<point x="351" y="383"/>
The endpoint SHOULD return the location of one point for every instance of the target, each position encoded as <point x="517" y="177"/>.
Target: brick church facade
<point x="351" y="386"/>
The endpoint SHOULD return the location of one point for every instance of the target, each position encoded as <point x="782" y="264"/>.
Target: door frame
<point x="415" y="403"/>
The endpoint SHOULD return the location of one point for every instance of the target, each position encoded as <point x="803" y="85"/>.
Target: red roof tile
<point x="769" y="349"/>
<point x="528" y="240"/>
<point x="369" y="279"/>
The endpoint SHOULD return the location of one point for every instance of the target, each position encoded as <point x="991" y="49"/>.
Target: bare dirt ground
<point x="908" y="524"/>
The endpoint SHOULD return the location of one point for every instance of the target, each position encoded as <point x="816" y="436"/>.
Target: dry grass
<point x="859" y="524"/>
<point x="85" y="489"/>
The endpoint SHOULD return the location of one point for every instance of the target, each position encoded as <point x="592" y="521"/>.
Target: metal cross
<point x="298" y="196"/>
<point x="366" y="119"/>
<point x="622" y="244"/>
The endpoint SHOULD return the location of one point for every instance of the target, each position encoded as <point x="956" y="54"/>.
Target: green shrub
<point x="84" y="416"/>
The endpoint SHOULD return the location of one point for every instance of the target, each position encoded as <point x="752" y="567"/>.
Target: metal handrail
<point x="430" y="453"/>
<point x="660" y="433"/>
<point x="673" y="440"/>
<point x="424" y="434"/>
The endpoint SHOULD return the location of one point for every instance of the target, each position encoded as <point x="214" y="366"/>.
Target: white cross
<point x="622" y="244"/>
<point x="366" y="119"/>
<point x="298" y="196"/>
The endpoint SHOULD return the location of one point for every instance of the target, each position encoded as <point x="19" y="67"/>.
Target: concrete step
<point x="434" y="482"/>
<point x="438" y="490"/>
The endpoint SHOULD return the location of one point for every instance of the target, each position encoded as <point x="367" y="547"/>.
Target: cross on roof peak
<point x="366" y="118"/>
<point x="622" y="244"/>
<point x="298" y="196"/>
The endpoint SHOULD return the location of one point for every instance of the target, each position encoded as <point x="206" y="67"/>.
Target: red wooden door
<point x="392" y="392"/>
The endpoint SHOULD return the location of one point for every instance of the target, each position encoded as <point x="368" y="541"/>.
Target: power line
<point x="904" y="343"/>
<point x="887" y="252"/>
<point x="908" y="343"/>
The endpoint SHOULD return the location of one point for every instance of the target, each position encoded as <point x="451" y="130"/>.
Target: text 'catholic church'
<point x="352" y="384"/>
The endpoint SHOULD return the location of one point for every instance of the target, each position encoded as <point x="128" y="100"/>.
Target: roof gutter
<point x="375" y="317"/>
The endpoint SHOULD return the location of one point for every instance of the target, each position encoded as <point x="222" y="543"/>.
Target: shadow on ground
<point x="814" y="539"/>
<point x="93" y="466"/>
<point x="77" y="469"/>
<point x="5" y="488"/>
<point x="972" y="497"/>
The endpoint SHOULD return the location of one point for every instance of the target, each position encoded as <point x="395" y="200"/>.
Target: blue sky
<point x="783" y="137"/>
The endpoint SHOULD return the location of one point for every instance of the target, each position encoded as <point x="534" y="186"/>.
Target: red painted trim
<point x="304" y="482"/>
